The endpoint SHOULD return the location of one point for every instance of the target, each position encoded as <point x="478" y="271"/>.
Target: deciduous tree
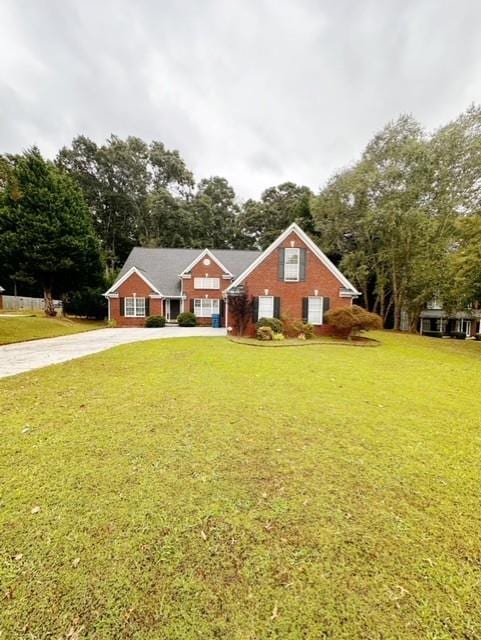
<point x="380" y="217"/>
<point x="279" y="206"/>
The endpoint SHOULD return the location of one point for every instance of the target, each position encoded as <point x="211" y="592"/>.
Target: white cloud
<point x="259" y="91"/>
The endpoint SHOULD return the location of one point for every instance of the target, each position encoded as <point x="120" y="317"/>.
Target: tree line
<point x="403" y="222"/>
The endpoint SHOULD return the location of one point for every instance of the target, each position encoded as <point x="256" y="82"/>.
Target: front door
<point x="172" y="309"/>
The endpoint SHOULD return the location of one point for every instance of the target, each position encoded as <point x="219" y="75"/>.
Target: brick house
<point x="292" y="276"/>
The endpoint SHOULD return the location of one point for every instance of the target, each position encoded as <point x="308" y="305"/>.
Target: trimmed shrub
<point x="155" y="321"/>
<point x="458" y="335"/>
<point x="303" y="330"/>
<point x="278" y="336"/>
<point x="293" y="328"/>
<point x="350" y="321"/>
<point x="289" y="323"/>
<point x="264" y="333"/>
<point x="477" y="336"/>
<point x="187" y="319"/>
<point x="274" y="323"/>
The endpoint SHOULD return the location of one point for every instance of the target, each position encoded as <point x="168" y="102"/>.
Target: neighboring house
<point x="1" y="297"/>
<point x="435" y="321"/>
<point x="292" y="276"/>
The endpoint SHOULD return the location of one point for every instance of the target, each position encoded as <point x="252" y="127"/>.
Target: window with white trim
<point x="291" y="264"/>
<point x="205" y="307"/>
<point x="134" y="307"/>
<point x="314" y="310"/>
<point x="206" y="283"/>
<point x="266" y="307"/>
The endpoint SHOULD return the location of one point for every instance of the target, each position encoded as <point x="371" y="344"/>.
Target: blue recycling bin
<point x="216" y="320"/>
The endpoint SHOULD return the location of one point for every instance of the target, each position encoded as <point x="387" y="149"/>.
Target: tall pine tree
<point x="45" y="229"/>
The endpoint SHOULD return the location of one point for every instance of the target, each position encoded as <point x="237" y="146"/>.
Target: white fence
<point x="21" y="303"/>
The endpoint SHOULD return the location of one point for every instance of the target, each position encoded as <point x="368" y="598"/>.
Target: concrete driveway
<point x="26" y="356"/>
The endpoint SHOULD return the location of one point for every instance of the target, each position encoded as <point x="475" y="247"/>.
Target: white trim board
<point x="206" y="252"/>
<point x="310" y="244"/>
<point x="126" y="276"/>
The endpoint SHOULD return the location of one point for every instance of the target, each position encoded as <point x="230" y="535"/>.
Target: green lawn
<point x="198" y="488"/>
<point x="32" y="327"/>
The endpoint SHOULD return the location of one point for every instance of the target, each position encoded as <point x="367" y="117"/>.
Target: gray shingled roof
<point x="163" y="266"/>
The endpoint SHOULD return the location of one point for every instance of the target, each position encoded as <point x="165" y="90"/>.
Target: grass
<point x="18" y="328"/>
<point x="190" y="488"/>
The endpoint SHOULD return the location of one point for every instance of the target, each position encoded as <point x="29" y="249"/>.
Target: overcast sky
<point x="258" y="91"/>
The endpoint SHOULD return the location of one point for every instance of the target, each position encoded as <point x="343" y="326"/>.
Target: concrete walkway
<point x="26" y="356"/>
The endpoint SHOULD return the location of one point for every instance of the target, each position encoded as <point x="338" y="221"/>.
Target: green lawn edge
<point x="26" y="328"/>
<point x="293" y="342"/>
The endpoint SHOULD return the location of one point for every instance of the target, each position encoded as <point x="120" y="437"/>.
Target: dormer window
<point x="434" y="303"/>
<point x="291" y="264"/>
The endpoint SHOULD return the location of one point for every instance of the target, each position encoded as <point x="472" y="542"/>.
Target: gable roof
<point x="126" y="275"/>
<point x="208" y="253"/>
<point x="161" y="267"/>
<point x="348" y="288"/>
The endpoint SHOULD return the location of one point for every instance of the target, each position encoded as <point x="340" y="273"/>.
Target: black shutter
<point x="122" y="306"/>
<point x="280" y="253"/>
<point x="302" y="264"/>
<point x="255" y="308"/>
<point x="277" y="307"/>
<point x="222" y="309"/>
<point x="147" y="307"/>
<point x="305" y="309"/>
<point x="326" y="305"/>
<point x="192" y="305"/>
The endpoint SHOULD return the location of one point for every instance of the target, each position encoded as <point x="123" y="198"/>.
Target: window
<point x="434" y="304"/>
<point x="431" y="324"/>
<point x="205" y="307"/>
<point x="426" y="325"/>
<point x="266" y="307"/>
<point x="206" y="283"/>
<point x="134" y="307"/>
<point x="314" y="310"/>
<point x="464" y="326"/>
<point x="291" y="264"/>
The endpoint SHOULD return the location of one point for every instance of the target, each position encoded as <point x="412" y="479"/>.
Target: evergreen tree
<point x="45" y="229"/>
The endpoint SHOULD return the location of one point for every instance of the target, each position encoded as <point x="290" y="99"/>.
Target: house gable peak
<point x="310" y="244"/>
<point x="126" y="276"/>
<point x="206" y="253"/>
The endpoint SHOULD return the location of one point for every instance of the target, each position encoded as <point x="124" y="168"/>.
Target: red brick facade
<point x="320" y="281"/>
<point x="319" y="278"/>
<point x="201" y="270"/>
<point x="134" y="286"/>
